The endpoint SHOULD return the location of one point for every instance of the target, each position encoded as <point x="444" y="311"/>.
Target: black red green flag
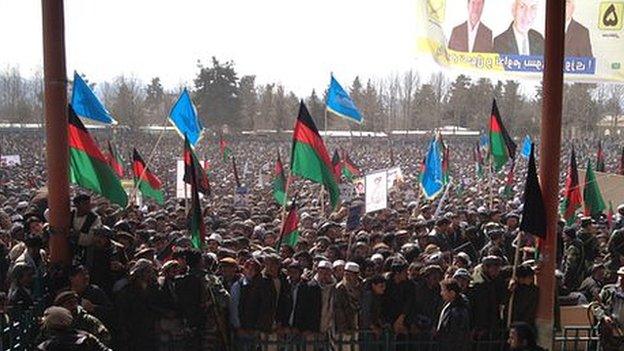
<point x="349" y="169"/>
<point x="509" y="182"/>
<point x="195" y="220"/>
<point x="572" y="198"/>
<point x="203" y="184"/>
<point x="115" y="160"/>
<point x="279" y="181"/>
<point x="600" y="161"/>
<point x="310" y="159"/>
<point x="225" y="150"/>
<point x="289" y="235"/>
<point x="145" y="180"/>
<point x="87" y="165"/>
<point x="533" y="211"/>
<point x="502" y="147"/>
<point x="336" y="165"/>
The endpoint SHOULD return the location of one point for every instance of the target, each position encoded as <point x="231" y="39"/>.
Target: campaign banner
<point x="376" y="191"/>
<point x="505" y="38"/>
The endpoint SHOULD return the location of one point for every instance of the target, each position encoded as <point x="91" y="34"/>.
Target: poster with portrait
<point x="10" y="160"/>
<point x="505" y="38"/>
<point x="376" y="191"/>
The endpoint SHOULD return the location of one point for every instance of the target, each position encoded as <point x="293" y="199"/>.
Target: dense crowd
<point x="420" y="270"/>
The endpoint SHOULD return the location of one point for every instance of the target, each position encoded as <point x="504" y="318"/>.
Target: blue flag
<point x="484" y="141"/>
<point x="86" y="104"/>
<point x="432" y="180"/>
<point x="526" y="147"/>
<point x="183" y="116"/>
<point x="339" y="102"/>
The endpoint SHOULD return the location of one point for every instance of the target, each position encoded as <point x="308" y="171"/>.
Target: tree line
<point x="398" y="102"/>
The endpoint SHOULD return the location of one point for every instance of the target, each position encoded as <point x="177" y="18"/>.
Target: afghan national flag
<point x="88" y="166"/>
<point x="508" y="191"/>
<point x="600" y="161"/>
<point x="622" y="162"/>
<point x="478" y="159"/>
<point x="310" y="159"/>
<point x="225" y="150"/>
<point x="115" y="160"/>
<point x="349" y="169"/>
<point x="502" y="147"/>
<point x="146" y="181"/>
<point x="203" y="184"/>
<point x="336" y="165"/>
<point x="572" y="199"/>
<point x="594" y="203"/>
<point x="279" y="182"/>
<point x="533" y="211"/>
<point x="290" y="228"/>
<point x="195" y="220"/>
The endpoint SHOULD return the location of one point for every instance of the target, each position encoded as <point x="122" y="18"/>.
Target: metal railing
<point x="578" y="338"/>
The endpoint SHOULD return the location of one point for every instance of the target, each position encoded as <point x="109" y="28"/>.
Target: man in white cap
<point x="347" y="301"/>
<point x="610" y="313"/>
<point x="213" y="242"/>
<point x="338" y="268"/>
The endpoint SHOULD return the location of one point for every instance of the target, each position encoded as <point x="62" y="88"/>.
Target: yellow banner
<point x="505" y="38"/>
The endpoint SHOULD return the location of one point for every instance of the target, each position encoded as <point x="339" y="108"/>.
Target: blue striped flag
<point x="86" y="104"/>
<point x="183" y="116"/>
<point x="340" y="103"/>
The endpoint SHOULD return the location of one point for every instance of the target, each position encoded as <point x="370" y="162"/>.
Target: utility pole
<point x="55" y="110"/>
<point x="549" y="163"/>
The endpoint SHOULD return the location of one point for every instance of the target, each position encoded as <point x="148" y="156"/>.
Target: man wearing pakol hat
<point x="347" y="300"/>
<point x="82" y="320"/>
<point x="619" y="218"/>
<point x="57" y="323"/>
<point x="592" y="285"/>
<point x="610" y="314"/>
<point x="424" y="309"/>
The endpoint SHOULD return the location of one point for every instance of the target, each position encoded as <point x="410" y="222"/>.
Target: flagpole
<point x="514" y="275"/>
<point x="491" y="183"/>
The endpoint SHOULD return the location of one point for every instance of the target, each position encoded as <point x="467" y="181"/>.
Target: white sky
<point x="294" y="42"/>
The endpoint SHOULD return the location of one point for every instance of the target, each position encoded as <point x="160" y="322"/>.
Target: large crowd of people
<point x="421" y="271"/>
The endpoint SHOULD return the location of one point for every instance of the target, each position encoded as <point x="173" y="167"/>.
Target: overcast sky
<point x="297" y="43"/>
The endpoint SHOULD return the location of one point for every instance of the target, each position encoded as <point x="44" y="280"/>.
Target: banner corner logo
<point x="611" y="14"/>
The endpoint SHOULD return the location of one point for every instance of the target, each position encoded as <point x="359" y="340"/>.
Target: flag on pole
<point x="201" y="178"/>
<point x="225" y="150"/>
<point x="444" y="151"/>
<point x="502" y="147"/>
<point x="289" y="235"/>
<point x="88" y="166"/>
<point x="184" y="118"/>
<point x="340" y="103"/>
<point x="526" y="147"/>
<point x="572" y="199"/>
<point x="115" y="160"/>
<point x="508" y="190"/>
<point x="146" y="181"/>
<point x="279" y="182"/>
<point x="86" y="104"/>
<point x="195" y="219"/>
<point x="336" y="165"/>
<point x="600" y="161"/>
<point x="349" y="169"/>
<point x="533" y="210"/>
<point x="310" y="159"/>
<point x="594" y="203"/>
<point x="432" y="181"/>
<point x="236" y="178"/>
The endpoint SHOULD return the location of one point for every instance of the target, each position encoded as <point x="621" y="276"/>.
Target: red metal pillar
<point x="549" y="163"/>
<point x="55" y="109"/>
